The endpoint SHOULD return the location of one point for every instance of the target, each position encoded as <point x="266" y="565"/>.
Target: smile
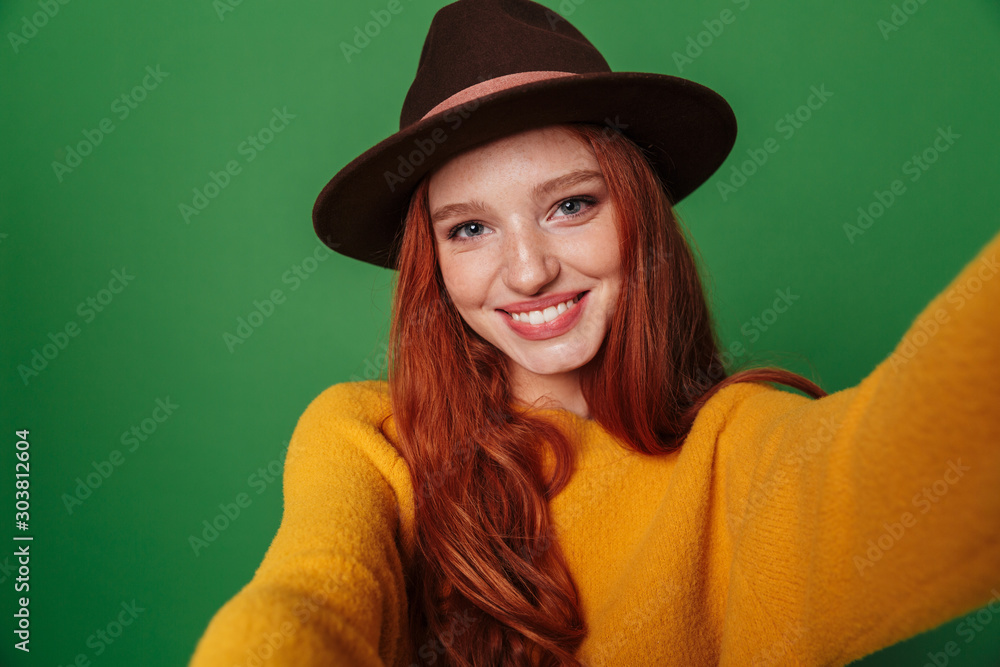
<point x="549" y="322"/>
<point x="547" y="315"/>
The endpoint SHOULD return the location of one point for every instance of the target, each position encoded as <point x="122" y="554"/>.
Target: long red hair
<point x="490" y="586"/>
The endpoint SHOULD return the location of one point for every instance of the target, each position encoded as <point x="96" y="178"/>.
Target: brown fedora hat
<point x="490" y="68"/>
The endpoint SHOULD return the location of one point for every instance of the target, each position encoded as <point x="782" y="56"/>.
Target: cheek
<point x="603" y="262"/>
<point x="464" y="286"/>
<point x="599" y="255"/>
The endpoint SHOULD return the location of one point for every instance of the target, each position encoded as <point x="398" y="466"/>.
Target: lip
<point x="540" y="304"/>
<point x="556" y="327"/>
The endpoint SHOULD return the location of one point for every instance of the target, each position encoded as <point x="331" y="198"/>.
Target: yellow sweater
<point x="786" y="530"/>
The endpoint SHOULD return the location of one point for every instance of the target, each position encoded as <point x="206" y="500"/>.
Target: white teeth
<point x="547" y="315"/>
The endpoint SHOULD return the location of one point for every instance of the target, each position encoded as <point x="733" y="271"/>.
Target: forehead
<point x="525" y="156"/>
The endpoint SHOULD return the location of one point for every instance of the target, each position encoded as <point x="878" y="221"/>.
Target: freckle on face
<point x="528" y="248"/>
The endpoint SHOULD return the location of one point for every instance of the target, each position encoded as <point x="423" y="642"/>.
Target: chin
<point x="542" y="364"/>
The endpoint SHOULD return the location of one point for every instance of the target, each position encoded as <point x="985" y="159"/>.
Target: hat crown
<point x="471" y="41"/>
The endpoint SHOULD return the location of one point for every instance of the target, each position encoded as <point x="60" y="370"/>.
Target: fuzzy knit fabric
<point x="785" y="530"/>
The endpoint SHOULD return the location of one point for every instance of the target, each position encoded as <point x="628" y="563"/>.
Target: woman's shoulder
<point x="751" y="400"/>
<point x="351" y="414"/>
<point x="350" y="426"/>
<point x="364" y="401"/>
<point x="745" y="411"/>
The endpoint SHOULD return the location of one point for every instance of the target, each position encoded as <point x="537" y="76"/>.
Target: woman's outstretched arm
<point x="330" y="590"/>
<point x="873" y="514"/>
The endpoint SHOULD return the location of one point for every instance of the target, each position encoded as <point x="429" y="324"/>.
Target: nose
<point x="530" y="259"/>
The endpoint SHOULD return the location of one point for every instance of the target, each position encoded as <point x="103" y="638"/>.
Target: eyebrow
<point x="566" y="180"/>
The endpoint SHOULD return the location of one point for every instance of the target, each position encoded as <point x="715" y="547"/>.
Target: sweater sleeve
<point x="870" y="515"/>
<point x="330" y="590"/>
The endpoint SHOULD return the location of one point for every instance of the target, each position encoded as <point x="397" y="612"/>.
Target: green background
<point x="162" y="336"/>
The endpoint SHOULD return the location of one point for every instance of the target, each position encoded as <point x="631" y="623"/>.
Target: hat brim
<point x="686" y="129"/>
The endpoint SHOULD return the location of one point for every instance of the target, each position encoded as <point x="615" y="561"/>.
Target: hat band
<point x="493" y="85"/>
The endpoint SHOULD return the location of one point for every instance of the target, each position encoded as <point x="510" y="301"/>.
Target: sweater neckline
<point x="595" y="447"/>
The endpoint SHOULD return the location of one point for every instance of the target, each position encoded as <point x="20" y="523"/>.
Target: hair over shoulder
<point x="491" y="585"/>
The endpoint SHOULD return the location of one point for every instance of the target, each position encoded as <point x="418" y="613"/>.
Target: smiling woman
<point x="633" y="349"/>
<point x="528" y="244"/>
<point x="560" y="468"/>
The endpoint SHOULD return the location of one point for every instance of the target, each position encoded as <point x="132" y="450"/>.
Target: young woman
<point x="560" y="469"/>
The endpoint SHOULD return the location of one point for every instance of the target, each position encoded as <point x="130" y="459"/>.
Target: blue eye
<point x="590" y="201"/>
<point x="569" y="201"/>
<point x="454" y="230"/>
<point x="577" y="206"/>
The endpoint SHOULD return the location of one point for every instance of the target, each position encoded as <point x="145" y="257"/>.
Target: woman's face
<point x="528" y="248"/>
